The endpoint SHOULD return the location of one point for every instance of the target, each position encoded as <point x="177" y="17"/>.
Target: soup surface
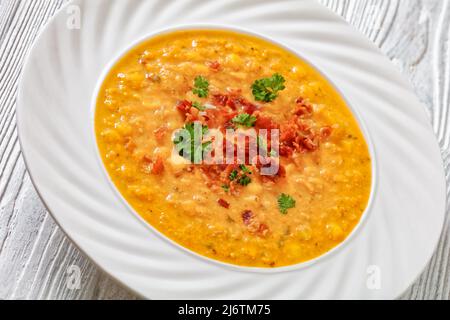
<point x="221" y="80"/>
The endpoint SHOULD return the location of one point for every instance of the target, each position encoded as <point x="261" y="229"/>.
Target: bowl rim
<point x="243" y="31"/>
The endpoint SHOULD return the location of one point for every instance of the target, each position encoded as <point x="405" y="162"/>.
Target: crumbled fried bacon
<point x="194" y="115"/>
<point x="214" y="65"/>
<point x="286" y="151"/>
<point x="222" y="100"/>
<point x="234" y="101"/>
<point x="160" y="133"/>
<point x="158" y="166"/>
<point x="190" y="113"/>
<point x="223" y="203"/>
<point x="308" y="144"/>
<point x="153" y="166"/>
<point x="264" y="122"/>
<point x="247" y="106"/>
<point x="303" y="108"/>
<point x="184" y="106"/>
<point x="147" y="159"/>
<point x="297" y="134"/>
<point x="247" y="217"/>
<point x="263" y="230"/>
<point x="253" y="225"/>
<point x="326" y="132"/>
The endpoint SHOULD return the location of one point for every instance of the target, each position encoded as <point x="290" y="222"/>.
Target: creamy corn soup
<point x="232" y="212"/>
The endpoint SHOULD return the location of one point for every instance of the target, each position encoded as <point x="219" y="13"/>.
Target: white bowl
<point x="203" y="26"/>
<point x="387" y="252"/>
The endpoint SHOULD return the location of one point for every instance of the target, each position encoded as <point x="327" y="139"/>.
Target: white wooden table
<point x="35" y="254"/>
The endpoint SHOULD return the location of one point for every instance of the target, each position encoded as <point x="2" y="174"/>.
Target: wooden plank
<point x="35" y="254"/>
<point x="415" y="36"/>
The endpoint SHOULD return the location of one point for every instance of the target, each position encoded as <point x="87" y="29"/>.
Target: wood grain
<point x="35" y="254"/>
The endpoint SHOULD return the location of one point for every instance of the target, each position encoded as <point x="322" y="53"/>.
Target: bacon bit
<point x="303" y="107"/>
<point x="234" y="100"/>
<point x="193" y="115"/>
<point x="190" y="113"/>
<point x="264" y="122"/>
<point x="147" y="159"/>
<point x="326" y="132"/>
<point x="288" y="134"/>
<point x="158" y="166"/>
<point x="184" y="106"/>
<point x="223" y="203"/>
<point x="220" y="119"/>
<point x="155" y="167"/>
<point x="160" y="133"/>
<point x="286" y="151"/>
<point x="296" y="135"/>
<point x="300" y="101"/>
<point x="263" y="230"/>
<point x="223" y="100"/>
<point x="220" y="99"/>
<point x="254" y="226"/>
<point x="248" y="107"/>
<point x="130" y="145"/>
<point x="217" y="173"/>
<point x="247" y="217"/>
<point x="309" y="145"/>
<point x="214" y="65"/>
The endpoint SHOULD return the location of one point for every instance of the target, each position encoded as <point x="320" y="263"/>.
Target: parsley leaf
<point x="245" y="169"/>
<point x="226" y="188"/>
<point x="198" y="105"/>
<point x="185" y="143"/>
<point x="244" y="180"/>
<point x="267" y="89"/>
<point x="244" y="120"/>
<point x="233" y="175"/>
<point x="285" y="202"/>
<point x="201" y="87"/>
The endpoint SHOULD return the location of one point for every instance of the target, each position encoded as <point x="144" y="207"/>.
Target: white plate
<point x="390" y="249"/>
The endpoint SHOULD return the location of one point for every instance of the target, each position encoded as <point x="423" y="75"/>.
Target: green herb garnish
<point x="198" y="105"/>
<point x="267" y="89"/>
<point x="185" y="143"/>
<point x="285" y="202"/>
<point x="245" y="120"/>
<point x="201" y="87"/>
<point x="245" y="169"/>
<point x="233" y="175"/>
<point x="244" y="180"/>
<point x="226" y="188"/>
